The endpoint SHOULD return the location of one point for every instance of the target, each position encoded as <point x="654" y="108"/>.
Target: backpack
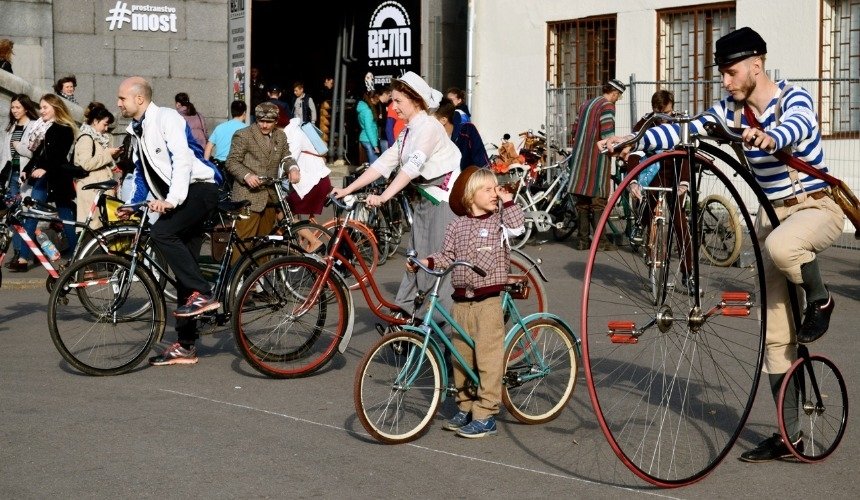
<point x="69" y="166"/>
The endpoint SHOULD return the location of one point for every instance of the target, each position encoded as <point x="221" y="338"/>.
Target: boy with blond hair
<point x="479" y="235"/>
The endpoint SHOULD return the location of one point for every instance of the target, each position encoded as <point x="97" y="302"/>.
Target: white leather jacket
<point x="172" y="153"/>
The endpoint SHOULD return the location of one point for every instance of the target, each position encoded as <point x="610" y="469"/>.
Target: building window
<point x="685" y="51"/>
<point x="839" y="101"/>
<point x="581" y="52"/>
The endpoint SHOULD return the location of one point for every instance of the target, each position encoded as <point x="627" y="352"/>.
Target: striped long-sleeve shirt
<point x="591" y="170"/>
<point x="797" y="129"/>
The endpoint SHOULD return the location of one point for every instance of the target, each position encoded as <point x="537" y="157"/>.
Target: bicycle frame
<point x="434" y="338"/>
<point x="13" y="220"/>
<point x="363" y="280"/>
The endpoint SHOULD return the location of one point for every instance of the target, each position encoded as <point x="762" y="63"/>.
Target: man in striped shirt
<point x="810" y="221"/>
<point x="590" y="169"/>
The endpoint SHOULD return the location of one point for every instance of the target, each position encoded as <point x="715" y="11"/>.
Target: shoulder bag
<point x="839" y="191"/>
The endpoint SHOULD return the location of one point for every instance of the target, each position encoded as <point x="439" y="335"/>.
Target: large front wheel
<point x="672" y="384"/>
<point x="397" y="388"/>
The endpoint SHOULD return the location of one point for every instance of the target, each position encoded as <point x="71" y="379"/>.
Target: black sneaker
<point x="196" y="305"/>
<point x="816" y="320"/>
<point x="772" y="448"/>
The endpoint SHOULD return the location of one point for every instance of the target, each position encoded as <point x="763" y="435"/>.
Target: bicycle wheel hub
<point x="665" y="318"/>
<point x="697" y="319"/>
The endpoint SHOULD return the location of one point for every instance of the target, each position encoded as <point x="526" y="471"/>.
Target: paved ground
<point x="221" y="430"/>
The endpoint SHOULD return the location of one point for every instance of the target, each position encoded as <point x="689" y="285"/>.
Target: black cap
<point x="274" y="88"/>
<point x="737" y="45"/>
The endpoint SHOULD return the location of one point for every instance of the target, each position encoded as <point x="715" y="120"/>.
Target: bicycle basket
<point x="518" y="286"/>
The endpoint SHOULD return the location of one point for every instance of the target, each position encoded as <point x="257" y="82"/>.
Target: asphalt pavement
<point x="219" y="429"/>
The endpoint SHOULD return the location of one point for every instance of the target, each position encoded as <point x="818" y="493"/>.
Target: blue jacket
<point x="465" y="135"/>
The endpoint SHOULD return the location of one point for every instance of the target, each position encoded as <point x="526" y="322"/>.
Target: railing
<point x="842" y="150"/>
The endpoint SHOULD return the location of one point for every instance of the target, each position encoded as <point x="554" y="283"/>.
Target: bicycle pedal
<point x="736" y="304"/>
<point x="623" y="332"/>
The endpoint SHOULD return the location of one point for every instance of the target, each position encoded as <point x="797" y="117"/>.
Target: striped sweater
<point x="797" y="129"/>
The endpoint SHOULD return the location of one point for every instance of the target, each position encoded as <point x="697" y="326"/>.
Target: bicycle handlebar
<point x="412" y="257"/>
<point x="31" y="203"/>
<point x="134" y="207"/>
<point x="349" y="200"/>
<point x="724" y="131"/>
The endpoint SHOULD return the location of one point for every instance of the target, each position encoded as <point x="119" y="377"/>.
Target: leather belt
<point x="792" y="200"/>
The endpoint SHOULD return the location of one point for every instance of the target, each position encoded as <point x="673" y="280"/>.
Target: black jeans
<point x="178" y="234"/>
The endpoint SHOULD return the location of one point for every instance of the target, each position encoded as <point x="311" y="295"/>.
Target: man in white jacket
<point x="184" y="192"/>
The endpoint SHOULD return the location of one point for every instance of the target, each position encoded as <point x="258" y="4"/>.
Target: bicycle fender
<point x="350" y="306"/>
<point x="350" y="314"/>
<point x="531" y="261"/>
<point x="546" y="315"/>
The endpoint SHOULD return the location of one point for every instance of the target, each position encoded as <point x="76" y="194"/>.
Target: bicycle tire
<point x="565" y="214"/>
<point x="118" y="239"/>
<point x="520" y="241"/>
<point x="268" y="332"/>
<point x="396" y="221"/>
<point x="658" y="263"/>
<point x="389" y="411"/>
<point x="109" y="336"/>
<point x="540" y="371"/>
<point x="822" y="425"/>
<point x="537" y="300"/>
<point x="645" y="364"/>
<point x="267" y="251"/>
<point x="720" y="230"/>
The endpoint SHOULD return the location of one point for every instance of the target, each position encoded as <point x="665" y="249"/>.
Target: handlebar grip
<point x="480" y="272"/>
<point x="30" y="202"/>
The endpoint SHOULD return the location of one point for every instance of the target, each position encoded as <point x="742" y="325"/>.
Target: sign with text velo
<point x="150" y="18"/>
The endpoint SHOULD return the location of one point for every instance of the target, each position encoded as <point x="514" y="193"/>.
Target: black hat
<point x="274" y="88"/>
<point x="737" y="45"/>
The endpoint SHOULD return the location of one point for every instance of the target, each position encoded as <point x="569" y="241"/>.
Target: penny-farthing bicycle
<point x="672" y="377"/>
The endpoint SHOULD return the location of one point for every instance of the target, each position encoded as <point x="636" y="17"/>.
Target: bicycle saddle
<point x="233" y="207"/>
<point x="105" y="185"/>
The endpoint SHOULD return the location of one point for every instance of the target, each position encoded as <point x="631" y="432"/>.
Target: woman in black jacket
<point x="50" y="181"/>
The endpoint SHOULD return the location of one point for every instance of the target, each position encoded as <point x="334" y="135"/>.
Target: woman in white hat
<point x="425" y="157"/>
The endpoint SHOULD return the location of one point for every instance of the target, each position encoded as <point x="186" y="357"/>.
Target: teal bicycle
<point x="403" y="378"/>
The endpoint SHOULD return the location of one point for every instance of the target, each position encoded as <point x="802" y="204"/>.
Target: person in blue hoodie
<point x="464" y="134"/>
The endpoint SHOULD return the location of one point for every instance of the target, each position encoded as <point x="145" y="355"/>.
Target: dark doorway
<point x="295" y="41"/>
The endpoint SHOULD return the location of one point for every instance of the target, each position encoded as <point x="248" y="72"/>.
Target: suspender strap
<point x="788" y="159"/>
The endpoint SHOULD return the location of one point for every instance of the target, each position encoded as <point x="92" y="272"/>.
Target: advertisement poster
<point x="239" y="49"/>
<point x="392" y="40"/>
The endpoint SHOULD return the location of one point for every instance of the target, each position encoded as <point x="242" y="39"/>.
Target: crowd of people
<point x="414" y="136"/>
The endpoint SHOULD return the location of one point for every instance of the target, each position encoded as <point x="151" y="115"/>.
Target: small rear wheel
<point x="396" y="391"/>
<point x="540" y="371"/>
<point x="812" y="408"/>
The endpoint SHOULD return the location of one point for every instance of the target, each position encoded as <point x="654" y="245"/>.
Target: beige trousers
<point x="805" y="230"/>
<point x="483" y="321"/>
